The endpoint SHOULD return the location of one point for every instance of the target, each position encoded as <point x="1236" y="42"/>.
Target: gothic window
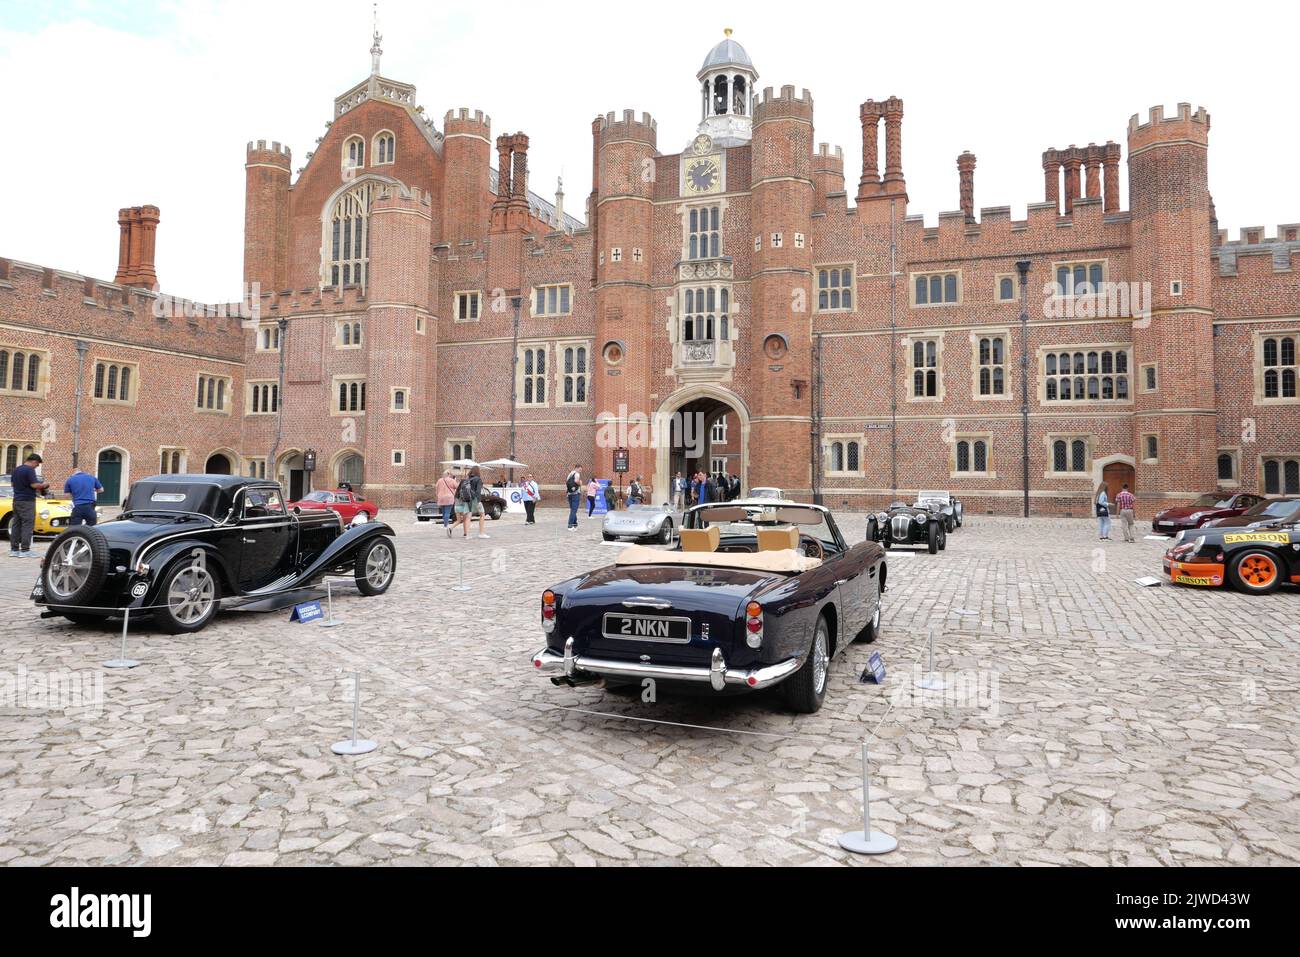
<point x="972" y="455"/>
<point x="834" y="289"/>
<point x="1079" y="279"/>
<point x="936" y="289"/>
<point x="263" y="398"/>
<point x="384" y="147"/>
<point x="925" y="369"/>
<point x="704" y="314"/>
<point x="354" y="153"/>
<point x="1279" y="367"/>
<point x="704" y="235"/>
<point x="992" y="366"/>
<point x="348" y="240"/>
<point x="575" y="375"/>
<point x="1098" y="376"/>
<point x="532" y="368"/>
<point x="1282" y="476"/>
<point x="113" y="382"/>
<point x="351" y="395"/>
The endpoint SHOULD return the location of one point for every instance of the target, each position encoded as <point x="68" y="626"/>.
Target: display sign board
<point x="602" y="504"/>
<point x="620" y="461"/>
<point x="307" y="611"/>
<point x="309" y="460"/>
<point x="875" y="669"/>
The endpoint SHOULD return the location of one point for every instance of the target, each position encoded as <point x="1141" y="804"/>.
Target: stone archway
<point x="682" y="433"/>
<point x="1113" y="470"/>
<point x="219" y="463"/>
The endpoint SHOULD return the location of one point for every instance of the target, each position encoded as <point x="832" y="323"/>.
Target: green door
<point x="109" y="471"/>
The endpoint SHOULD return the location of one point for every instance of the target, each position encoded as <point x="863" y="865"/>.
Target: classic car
<point x="1206" y="507"/>
<point x="185" y="543"/>
<point x="351" y="507"/>
<point x="767" y="491"/>
<point x="947" y="504"/>
<point x="52" y="512"/>
<point x="923" y="524"/>
<point x="1252" y="560"/>
<point x="494" y="505"/>
<point x="657" y="522"/>
<point x="1267" y="513"/>
<point x="757" y="594"/>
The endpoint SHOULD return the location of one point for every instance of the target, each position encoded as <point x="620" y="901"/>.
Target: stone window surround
<point x="253" y="384"/>
<point x="1142" y="377"/>
<point x="545" y="348"/>
<point x="907" y="343"/>
<point x="467" y="294"/>
<point x="42" y="375"/>
<point x="911" y="289"/>
<point x="845" y="438"/>
<point x="1004" y="334"/>
<point x="229" y="396"/>
<point x="1144" y="443"/>
<point x="684" y="211"/>
<point x="462" y="441"/>
<point x="972" y="438"/>
<point x="1235" y="453"/>
<point x="532" y="300"/>
<point x="1085" y="348"/>
<point x="560" y="375"/>
<point x="997" y="287"/>
<point x="1105" y="274"/>
<point x="398" y="458"/>
<point x="338" y="333"/>
<point x="392" y="399"/>
<point x="168" y="450"/>
<point x="1089" y="453"/>
<point x="90" y="368"/>
<point x="335" y="381"/>
<point x="374" y="148"/>
<point x="1258" y="364"/>
<point x="262" y="330"/>
<point x="852" y="267"/>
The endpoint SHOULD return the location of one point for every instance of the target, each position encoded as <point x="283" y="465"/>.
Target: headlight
<point x="921" y="519"/>
<point x="1196" y="516"/>
<point x="45" y="513"/>
<point x="418" y="504"/>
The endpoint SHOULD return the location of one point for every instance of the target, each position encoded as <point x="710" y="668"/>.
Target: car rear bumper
<point x="717" y="674"/>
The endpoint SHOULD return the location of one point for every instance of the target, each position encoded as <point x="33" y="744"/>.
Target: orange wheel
<point x="1255" y="572"/>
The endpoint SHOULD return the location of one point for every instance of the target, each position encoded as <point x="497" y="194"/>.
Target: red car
<point x="1215" y="505"/>
<point x="351" y="507"/>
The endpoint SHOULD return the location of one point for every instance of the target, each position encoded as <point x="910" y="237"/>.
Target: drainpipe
<point x="817" y="450"/>
<point x="515" y="301"/>
<point x="81" y="391"/>
<point x="893" y="355"/>
<point x="1022" y="266"/>
<point x="282" y="326"/>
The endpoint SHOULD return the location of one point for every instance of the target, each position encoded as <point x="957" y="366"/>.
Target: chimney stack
<point x="966" y="177"/>
<point x="136" y="247"/>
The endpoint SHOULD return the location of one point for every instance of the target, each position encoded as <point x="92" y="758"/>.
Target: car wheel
<point x="189" y="598"/>
<point x="4" y="525"/>
<point x="375" y="566"/>
<point x="948" y="525"/>
<point x="495" y="511"/>
<point x="666" y="536"/>
<point x="934" y="534"/>
<point x="943" y="539"/>
<point x="887" y="542"/>
<point x="359" y="519"/>
<point x="959" y="519"/>
<point x="873" y="531"/>
<point x="1254" y="572"/>
<point x="872" y="631"/>
<point x="608" y="537"/>
<point x="805" y="690"/>
<point x="75" y="566"/>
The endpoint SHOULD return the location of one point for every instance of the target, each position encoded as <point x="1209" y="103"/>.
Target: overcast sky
<point x="116" y="104"/>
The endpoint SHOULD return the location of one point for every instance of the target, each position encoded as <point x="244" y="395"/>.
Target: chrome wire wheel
<point x="191" y="594"/>
<point x="379" y="565"/>
<point x="821" y="657"/>
<point x="69" y="567"/>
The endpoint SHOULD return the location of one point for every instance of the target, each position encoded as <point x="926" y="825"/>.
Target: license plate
<point x="647" y="628"/>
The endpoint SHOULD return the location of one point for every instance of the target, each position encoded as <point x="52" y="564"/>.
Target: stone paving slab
<point x="1087" y="721"/>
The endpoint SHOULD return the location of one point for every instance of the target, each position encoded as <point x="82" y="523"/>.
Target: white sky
<point x="121" y="104"/>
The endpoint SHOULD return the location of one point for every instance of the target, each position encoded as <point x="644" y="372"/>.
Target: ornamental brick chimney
<point x="136" y="246"/>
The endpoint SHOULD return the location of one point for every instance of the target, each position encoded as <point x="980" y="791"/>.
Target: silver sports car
<point x="656" y="522"/>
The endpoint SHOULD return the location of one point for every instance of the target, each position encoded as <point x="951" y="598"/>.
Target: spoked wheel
<point x="189" y="597"/>
<point x="805" y="690"/>
<point x="933" y="537"/>
<point x="375" y="566"/>
<point x="76" y="566"/>
<point x="666" y="536"/>
<point x="870" y="633"/>
<point x="1255" y="572"/>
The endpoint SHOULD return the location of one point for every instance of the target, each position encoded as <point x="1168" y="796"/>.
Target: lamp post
<point x="282" y="326"/>
<point x="1022" y="267"/>
<point x="515" y="302"/>
<point x="82" y="346"/>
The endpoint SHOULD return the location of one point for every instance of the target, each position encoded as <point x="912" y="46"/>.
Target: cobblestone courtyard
<point x="1100" y="723"/>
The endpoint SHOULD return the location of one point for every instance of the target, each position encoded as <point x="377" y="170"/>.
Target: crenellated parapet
<point x="1254" y="252"/>
<point x="995" y="233"/>
<point x="273" y="155"/>
<point x="609" y="129"/>
<point x="1185" y="126"/>
<point x="785" y="105"/>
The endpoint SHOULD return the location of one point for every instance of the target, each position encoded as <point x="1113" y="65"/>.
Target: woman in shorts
<point x="471" y="488"/>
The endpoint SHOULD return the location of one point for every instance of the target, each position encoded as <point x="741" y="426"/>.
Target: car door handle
<point x="250" y="541"/>
<point x="842" y="581"/>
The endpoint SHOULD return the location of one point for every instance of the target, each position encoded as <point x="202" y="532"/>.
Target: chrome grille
<point x="900" y="525"/>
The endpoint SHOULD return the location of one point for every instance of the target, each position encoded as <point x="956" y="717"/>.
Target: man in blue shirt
<point x="84" y="489"/>
<point x="26" y="485"/>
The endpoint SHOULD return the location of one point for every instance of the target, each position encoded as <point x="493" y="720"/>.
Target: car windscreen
<point x="747" y="519"/>
<point x="167" y="497"/>
<point x="318" y="497"/>
<point x="1275" y="509"/>
<point x="1213" y="501"/>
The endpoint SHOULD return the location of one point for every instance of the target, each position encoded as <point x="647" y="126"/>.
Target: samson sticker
<point x="1182" y="579"/>
<point x="1280" y="538"/>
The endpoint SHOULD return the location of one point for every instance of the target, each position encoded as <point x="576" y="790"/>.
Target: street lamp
<point x="282" y="326"/>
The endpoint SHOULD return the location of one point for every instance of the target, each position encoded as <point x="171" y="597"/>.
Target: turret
<point x="467" y="158"/>
<point x="828" y="174"/>
<point x="781" y="290"/>
<point x="1171" y="244"/>
<point x="622" y="214"/>
<point x="266" y="214"/>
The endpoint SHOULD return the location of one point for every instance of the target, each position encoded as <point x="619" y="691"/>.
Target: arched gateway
<point x="689" y="440"/>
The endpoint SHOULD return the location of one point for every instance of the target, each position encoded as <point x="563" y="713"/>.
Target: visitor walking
<point x="635" y="493"/>
<point x="573" y="488"/>
<point x="1125" y="502"/>
<point x="679" y="491"/>
<point x="593" y="489"/>
<point x="84" y="489"/>
<point x="469" y="495"/>
<point x="26" y="484"/>
<point x="532" y="494"/>
<point x="1103" y="515"/>
<point x="445" y="490"/>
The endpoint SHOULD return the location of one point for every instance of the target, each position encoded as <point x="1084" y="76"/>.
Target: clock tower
<point x="727" y="83"/>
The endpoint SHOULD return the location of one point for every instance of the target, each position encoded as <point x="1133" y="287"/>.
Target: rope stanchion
<point x="331" y="621"/>
<point x="353" y="746"/>
<point x="930" y="681"/>
<point x="122" y="661"/>
<point x="867" y="841"/>
<point x="462" y="586"/>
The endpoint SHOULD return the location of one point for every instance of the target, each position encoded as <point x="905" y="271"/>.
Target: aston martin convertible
<point x="757" y="594"/>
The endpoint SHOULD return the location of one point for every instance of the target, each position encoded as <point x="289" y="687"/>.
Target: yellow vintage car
<point x="52" y="514"/>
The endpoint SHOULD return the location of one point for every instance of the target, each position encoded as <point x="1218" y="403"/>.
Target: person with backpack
<point x="635" y="493"/>
<point x="469" y="501"/>
<point x="446" y="492"/>
<point x="532" y="494"/>
<point x="573" y="488"/>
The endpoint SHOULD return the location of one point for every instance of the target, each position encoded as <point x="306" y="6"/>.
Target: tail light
<point x="754" y="624"/>
<point x="548" y="611"/>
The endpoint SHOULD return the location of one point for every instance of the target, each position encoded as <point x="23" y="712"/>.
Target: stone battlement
<point x="770" y="105"/>
<point x="271" y="153"/>
<point x="461" y="117"/>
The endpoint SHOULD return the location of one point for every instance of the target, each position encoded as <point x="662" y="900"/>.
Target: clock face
<point x="702" y="175"/>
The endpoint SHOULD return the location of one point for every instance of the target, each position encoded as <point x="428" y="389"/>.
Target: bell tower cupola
<point x="726" y="86"/>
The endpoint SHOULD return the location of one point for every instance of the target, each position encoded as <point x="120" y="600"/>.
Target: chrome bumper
<point x="717" y="674"/>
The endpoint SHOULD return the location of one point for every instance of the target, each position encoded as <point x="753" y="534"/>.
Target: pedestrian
<point x="446" y="492"/>
<point x="593" y="489"/>
<point x="735" y="486"/>
<point x="1125" y="502"/>
<point x="469" y="501"/>
<point x="611" y="497"/>
<point x="1103" y="514"/>
<point x="573" y="488"/>
<point x="635" y="492"/>
<point x="679" y="491"/>
<point x="26" y="484"/>
<point x="84" y="489"/>
<point x="532" y="495"/>
<point x="703" y="490"/>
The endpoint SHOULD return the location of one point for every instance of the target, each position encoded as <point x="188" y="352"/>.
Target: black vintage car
<point x="183" y="543"/>
<point x="921" y="525"/>
<point x="757" y="593"/>
<point x="948" y="505"/>
<point x="494" y="506"/>
<point x="1253" y="560"/>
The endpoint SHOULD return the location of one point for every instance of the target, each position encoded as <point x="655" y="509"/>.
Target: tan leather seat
<point x="777" y="539"/>
<point x="700" y="539"/>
